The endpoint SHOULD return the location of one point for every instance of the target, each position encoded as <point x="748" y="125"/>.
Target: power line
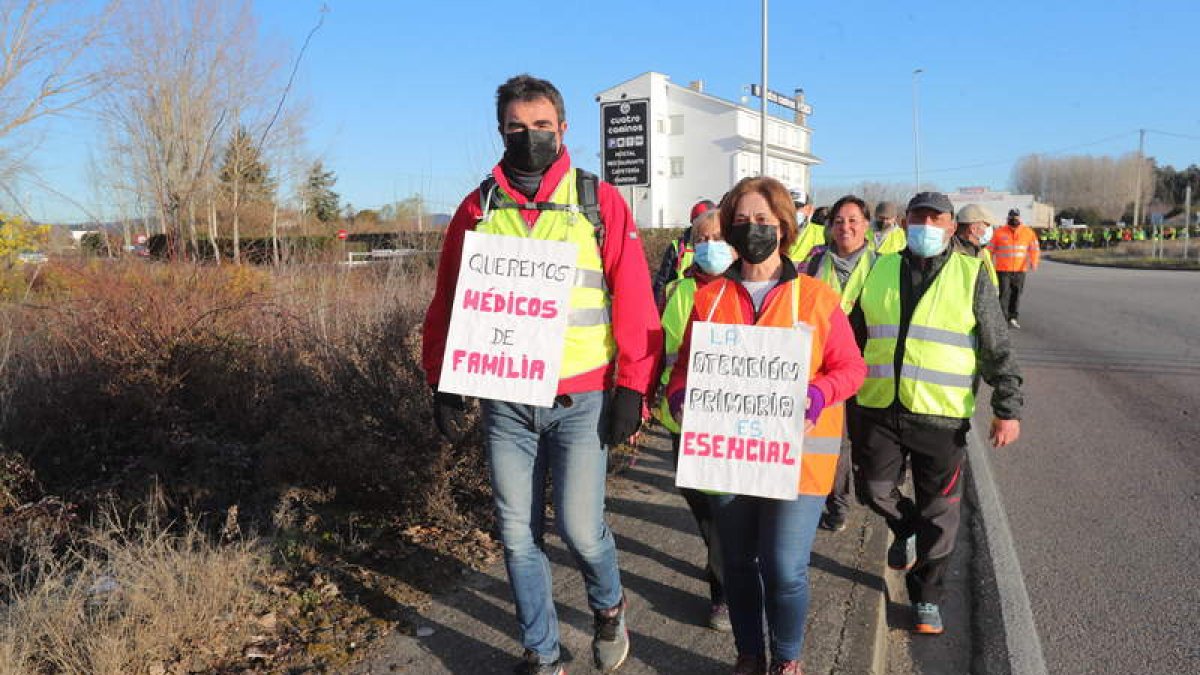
<point x="1174" y="135"/>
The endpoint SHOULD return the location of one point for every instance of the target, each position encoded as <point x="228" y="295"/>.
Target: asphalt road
<point x="1103" y="489"/>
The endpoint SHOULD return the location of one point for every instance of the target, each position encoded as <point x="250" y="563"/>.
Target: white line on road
<point x="1020" y="632"/>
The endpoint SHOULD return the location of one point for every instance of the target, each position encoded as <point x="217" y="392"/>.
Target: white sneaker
<point x="1014" y="324"/>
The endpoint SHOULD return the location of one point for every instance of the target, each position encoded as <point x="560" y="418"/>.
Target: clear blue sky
<point x="400" y="94"/>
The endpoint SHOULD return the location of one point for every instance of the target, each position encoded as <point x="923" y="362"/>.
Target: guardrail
<point x="357" y="258"/>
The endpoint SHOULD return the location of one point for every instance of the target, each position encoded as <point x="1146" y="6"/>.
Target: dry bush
<point x="231" y="385"/>
<point x="130" y="598"/>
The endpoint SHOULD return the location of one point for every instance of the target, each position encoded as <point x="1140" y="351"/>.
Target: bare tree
<point x="1104" y="184"/>
<point x="181" y="69"/>
<point x="43" y="66"/>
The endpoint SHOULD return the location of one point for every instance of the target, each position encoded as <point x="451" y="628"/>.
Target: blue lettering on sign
<point x="730" y="336"/>
<point x="750" y="428"/>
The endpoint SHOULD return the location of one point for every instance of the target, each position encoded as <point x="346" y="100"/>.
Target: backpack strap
<point x="587" y="188"/>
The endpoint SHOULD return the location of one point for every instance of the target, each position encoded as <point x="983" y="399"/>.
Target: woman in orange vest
<point x="765" y="543"/>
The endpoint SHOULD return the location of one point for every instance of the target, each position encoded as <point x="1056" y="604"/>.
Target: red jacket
<point x="635" y="323"/>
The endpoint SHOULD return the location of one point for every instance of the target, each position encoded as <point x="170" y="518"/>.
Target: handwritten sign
<point x="510" y="316"/>
<point x="743" y="414"/>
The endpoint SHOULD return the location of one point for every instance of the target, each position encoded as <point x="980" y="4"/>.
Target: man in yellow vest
<point x="812" y="233"/>
<point x="844" y="266"/>
<point x="889" y="236"/>
<point x="975" y="228"/>
<point x="612" y="343"/>
<point x="928" y="321"/>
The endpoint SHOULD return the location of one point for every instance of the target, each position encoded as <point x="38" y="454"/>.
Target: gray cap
<point x="931" y="200"/>
<point x="886" y="210"/>
<point x="974" y="213"/>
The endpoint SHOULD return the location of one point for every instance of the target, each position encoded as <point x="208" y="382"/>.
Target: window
<point x="660" y="125"/>
<point x="676" y="167"/>
<point x="676" y="125"/>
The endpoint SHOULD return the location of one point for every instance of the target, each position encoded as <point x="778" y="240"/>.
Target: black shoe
<point x="530" y="665"/>
<point x="834" y="522"/>
<point x="902" y="554"/>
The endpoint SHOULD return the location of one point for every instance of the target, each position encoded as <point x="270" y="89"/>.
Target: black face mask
<point x="754" y="242"/>
<point x="529" y="150"/>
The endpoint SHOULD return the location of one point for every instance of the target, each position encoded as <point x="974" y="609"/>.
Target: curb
<point x="1113" y="266"/>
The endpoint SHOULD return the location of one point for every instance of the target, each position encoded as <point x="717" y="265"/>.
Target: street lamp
<point x="916" y="133"/>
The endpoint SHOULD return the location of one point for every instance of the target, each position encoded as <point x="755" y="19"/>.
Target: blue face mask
<point x="926" y="241"/>
<point x="713" y="256"/>
<point x="986" y="236"/>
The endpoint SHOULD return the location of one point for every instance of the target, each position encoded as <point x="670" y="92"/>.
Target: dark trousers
<point x="839" y="499"/>
<point x="701" y="507"/>
<point x="1011" y="285"/>
<point x="881" y="444"/>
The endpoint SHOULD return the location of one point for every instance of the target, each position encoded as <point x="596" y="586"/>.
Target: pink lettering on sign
<point x="493" y="302"/>
<point x="738" y="449"/>
<point x="498" y="365"/>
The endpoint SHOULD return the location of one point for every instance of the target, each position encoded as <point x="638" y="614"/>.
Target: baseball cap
<point x="931" y="200"/>
<point x="886" y="210"/>
<point x="974" y="213"/>
<point x="702" y="208"/>
<point x="799" y="197"/>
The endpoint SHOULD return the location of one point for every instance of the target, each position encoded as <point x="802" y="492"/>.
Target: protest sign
<point x="743" y="412"/>
<point x="510" y="315"/>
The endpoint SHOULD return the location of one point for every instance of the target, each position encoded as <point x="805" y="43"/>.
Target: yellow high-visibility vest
<point x="589" y="342"/>
<point x="939" y="365"/>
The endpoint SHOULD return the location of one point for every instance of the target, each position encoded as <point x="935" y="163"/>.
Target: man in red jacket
<point x="533" y="192"/>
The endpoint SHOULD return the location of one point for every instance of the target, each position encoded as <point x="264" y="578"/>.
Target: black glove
<point x="449" y="414"/>
<point x="624" y="416"/>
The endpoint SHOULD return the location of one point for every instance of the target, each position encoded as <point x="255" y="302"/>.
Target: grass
<point x="1135" y="255"/>
<point x="130" y="597"/>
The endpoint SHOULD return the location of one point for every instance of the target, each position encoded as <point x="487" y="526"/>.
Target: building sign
<point x="626" y="142"/>
<point x="779" y="99"/>
<point x="743" y="412"/>
<point x="509" y="319"/>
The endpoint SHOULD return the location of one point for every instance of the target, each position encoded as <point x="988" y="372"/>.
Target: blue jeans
<point x="765" y="544"/>
<point x="525" y="442"/>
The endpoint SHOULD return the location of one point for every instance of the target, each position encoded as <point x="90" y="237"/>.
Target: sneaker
<point x="530" y="665"/>
<point x="834" y="522"/>
<point x="1014" y="324"/>
<point x="786" y="668"/>
<point x="718" y="617"/>
<point x="750" y="664"/>
<point x="929" y="619"/>
<point x="610" y="643"/>
<point x="902" y="554"/>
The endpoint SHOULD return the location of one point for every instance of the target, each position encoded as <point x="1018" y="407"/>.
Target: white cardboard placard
<point x="743" y="411"/>
<point x="509" y="319"/>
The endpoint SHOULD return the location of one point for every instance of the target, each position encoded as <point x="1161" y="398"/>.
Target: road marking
<point x="1020" y="631"/>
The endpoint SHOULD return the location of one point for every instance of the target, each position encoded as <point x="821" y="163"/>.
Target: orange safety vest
<point x="721" y="301"/>
<point x="1014" y="249"/>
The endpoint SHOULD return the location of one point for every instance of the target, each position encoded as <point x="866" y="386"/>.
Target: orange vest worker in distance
<point x="1015" y="248"/>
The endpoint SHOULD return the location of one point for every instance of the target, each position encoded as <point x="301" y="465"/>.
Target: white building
<point x="1033" y="213"/>
<point x="700" y="145"/>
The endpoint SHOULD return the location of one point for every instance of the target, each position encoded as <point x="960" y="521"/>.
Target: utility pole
<point x="762" y="149"/>
<point x="916" y="134"/>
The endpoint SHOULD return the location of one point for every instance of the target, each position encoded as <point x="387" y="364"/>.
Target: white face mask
<point x="986" y="236"/>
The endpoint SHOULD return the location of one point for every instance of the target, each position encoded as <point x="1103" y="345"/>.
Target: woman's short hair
<point x="778" y="198"/>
